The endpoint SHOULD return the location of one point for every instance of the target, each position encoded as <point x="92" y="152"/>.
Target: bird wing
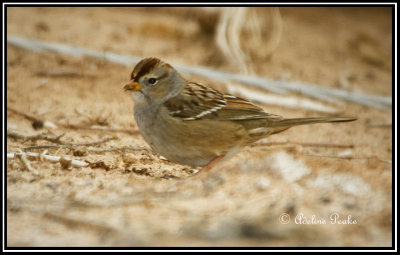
<point x="197" y="101"/>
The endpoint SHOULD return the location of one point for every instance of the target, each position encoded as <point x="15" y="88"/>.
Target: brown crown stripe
<point x="144" y="67"/>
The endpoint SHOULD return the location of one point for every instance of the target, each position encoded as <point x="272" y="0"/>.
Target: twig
<point x="45" y="147"/>
<point x="124" y="148"/>
<point x="326" y="145"/>
<point x="75" y="163"/>
<point x="305" y="144"/>
<point x="97" y="150"/>
<point x="55" y="139"/>
<point x="326" y="94"/>
<point x="78" y="223"/>
<point x="80" y="113"/>
<point x="228" y="35"/>
<point x="14" y="134"/>
<point x="331" y="156"/>
<point x="21" y="156"/>
<point x="72" y="126"/>
<point x="28" y="116"/>
<point x="97" y="120"/>
<point x="37" y="122"/>
<point x="346" y="156"/>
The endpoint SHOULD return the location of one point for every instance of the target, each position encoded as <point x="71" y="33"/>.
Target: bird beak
<point x="132" y="85"/>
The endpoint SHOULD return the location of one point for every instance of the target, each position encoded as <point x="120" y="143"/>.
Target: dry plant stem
<point x="28" y="116"/>
<point x="319" y="92"/>
<point x="96" y="120"/>
<point x="345" y="157"/>
<point x="305" y="144"/>
<point x="75" y="163"/>
<point x="21" y="156"/>
<point x="124" y="148"/>
<point x="14" y="134"/>
<point x="228" y="36"/>
<point x="96" y="150"/>
<point x="56" y="139"/>
<point x="72" y="126"/>
<point x="35" y="119"/>
<point x="332" y="156"/>
<point x="78" y="224"/>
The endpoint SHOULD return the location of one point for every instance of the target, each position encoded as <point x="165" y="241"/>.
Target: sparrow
<point x="193" y="124"/>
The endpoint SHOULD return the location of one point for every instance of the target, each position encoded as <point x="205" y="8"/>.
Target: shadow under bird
<point x="196" y="125"/>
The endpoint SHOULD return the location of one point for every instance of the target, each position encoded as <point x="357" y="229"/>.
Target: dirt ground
<point x="279" y="192"/>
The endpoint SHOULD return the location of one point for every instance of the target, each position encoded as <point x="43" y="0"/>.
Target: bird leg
<point x="211" y="164"/>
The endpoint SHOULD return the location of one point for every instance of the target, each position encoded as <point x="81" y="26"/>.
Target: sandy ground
<point x="267" y="195"/>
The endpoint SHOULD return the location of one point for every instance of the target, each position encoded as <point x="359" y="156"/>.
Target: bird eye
<point x="152" y="81"/>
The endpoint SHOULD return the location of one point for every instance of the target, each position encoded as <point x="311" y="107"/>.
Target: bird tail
<point x="284" y="124"/>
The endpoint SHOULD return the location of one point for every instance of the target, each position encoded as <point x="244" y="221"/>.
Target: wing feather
<point x="197" y="101"/>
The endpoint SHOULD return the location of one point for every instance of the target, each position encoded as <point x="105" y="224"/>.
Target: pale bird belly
<point x="187" y="143"/>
